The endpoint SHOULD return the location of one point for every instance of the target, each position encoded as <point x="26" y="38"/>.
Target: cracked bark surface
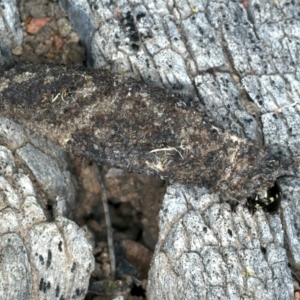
<point x="40" y="257"/>
<point x="229" y="124"/>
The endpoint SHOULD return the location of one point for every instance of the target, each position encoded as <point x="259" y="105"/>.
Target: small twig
<point x="55" y="97"/>
<point x="279" y="111"/>
<point x="108" y="224"/>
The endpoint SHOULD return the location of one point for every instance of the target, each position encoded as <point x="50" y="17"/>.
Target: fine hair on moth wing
<point x="166" y="149"/>
<point x="185" y="150"/>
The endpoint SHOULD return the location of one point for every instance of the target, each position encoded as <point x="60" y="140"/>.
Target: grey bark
<point x="10" y="29"/>
<point x="44" y="255"/>
<point x="208" y="251"/>
<point x="236" y="68"/>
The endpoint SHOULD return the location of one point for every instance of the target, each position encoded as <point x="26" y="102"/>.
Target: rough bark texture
<point x="207" y="250"/>
<point x="43" y="254"/>
<point x="10" y="28"/>
<point x="234" y="68"/>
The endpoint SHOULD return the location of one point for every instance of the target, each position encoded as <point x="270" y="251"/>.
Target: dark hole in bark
<point x="138" y="291"/>
<point x="270" y="203"/>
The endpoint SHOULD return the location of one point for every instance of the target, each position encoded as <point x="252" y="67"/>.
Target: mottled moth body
<point x="133" y="126"/>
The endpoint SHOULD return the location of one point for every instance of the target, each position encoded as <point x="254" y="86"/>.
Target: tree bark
<point x="44" y="255"/>
<point x="226" y="128"/>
